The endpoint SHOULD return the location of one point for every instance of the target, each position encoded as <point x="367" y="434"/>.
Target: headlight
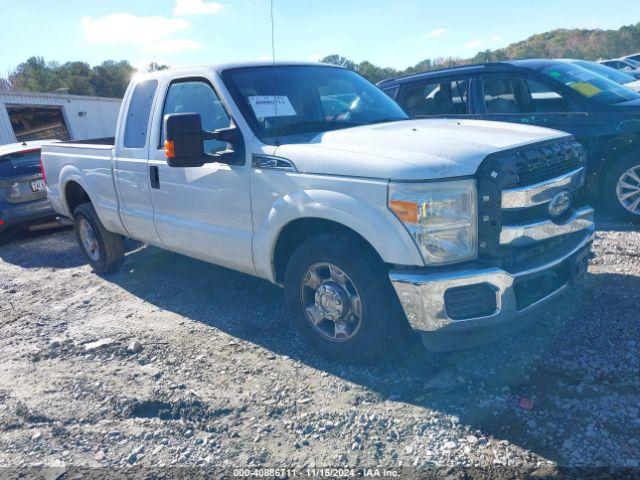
<point x="441" y="216"/>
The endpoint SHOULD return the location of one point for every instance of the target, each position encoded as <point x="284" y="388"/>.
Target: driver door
<point x="203" y="212"/>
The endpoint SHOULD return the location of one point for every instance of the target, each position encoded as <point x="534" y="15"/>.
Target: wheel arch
<point x="297" y="231"/>
<point x="75" y="194"/>
<point x="298" y="216"/>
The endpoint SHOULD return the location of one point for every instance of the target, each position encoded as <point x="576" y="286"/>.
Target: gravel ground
<point x="173" y="361"/>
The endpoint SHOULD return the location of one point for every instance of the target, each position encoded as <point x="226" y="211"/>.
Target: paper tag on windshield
<point x="271" y="106"/>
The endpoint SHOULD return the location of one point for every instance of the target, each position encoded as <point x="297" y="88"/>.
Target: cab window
<point x="137" y="122"/>
<point x="197" y="96"/>
<point x="504" y="94"/>
<point x="436" y="97"/>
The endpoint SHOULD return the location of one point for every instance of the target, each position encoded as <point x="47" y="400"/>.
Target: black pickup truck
<point x="603" y="115"/>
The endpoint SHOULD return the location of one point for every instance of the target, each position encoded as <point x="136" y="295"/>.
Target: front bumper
<point x="423" y="295"/>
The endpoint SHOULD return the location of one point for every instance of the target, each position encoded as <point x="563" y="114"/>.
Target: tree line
<point x="582" y="44"/>
<point x="110" y="78"/>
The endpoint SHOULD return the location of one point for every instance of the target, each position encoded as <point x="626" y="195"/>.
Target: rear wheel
<point x="622" y="189"/>
<point x="341" y="299"/>
<point x="104" y="250"/>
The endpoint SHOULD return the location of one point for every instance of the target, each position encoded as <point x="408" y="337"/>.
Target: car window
<point x="606" y="71"/>
<point x="618" y="65"/>
<point x="391" y="91"/>
<point x="337" y="97"/>
<point x="514" y="94"/>
<point x="436" y="97"/>
<point x="292" y="103"/>
<point x="198" y="97"/>
<point x="135" y="131"/>
<point x="19" y="163"/>
<point x="588" y="85"/>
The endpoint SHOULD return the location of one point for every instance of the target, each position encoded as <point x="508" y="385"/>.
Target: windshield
<point x="608" y="72"/>
<point x="307" y="100"/>
<point x="589" y="84"/>
<point x="633" y="62"/>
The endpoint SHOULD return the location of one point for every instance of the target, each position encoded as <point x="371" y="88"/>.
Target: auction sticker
<point x="271" y="106"/>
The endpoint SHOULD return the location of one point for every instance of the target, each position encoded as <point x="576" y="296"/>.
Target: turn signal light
<point x="169" y="149"/>
<point x="405" y="211"/>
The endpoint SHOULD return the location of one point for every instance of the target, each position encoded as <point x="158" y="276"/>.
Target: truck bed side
<point x="69" y="165"/>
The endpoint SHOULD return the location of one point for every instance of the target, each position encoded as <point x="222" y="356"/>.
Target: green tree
<point x="156" y="67"/>
<point x="34" y="75"/>
<point x="75" y="77"/>
<point x="111" y="78"/>
<point x="339" y="61"/>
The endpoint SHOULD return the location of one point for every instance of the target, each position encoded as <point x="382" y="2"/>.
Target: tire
<point x="380" y="320"/>
<point x="108" y="253"/>
<point x="619" y="171"/>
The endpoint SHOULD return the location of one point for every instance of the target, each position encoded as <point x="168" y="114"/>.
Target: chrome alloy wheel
<point x="89" y="240"/>
<point x="628" y="190"/>
<point x="331" y="302"/>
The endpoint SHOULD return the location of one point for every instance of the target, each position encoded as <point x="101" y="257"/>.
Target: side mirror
<point x="184" y="145"/>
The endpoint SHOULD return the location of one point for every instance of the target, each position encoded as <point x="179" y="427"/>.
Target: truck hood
<point x="412" y="149"/>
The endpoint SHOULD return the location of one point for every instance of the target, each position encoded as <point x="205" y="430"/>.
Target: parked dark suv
<point x="603" y="115"/>
<point x="23" y="196"/>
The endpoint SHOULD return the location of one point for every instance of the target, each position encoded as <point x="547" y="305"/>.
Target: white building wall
<point x="99" y="121"/>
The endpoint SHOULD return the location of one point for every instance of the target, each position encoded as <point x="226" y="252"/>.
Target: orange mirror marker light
<point x="169" y="149"/>
<point x="405" y="211"/>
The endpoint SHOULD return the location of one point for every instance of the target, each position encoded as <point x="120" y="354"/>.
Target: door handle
<point x="154" y="176"/>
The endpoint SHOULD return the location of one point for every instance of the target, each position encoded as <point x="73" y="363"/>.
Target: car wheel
<point x="342" y="302"/>
<point x="622" y="189"/>
<point x="104" y="250"/>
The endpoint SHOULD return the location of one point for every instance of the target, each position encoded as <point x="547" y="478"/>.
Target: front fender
<point x="378" y="226"/>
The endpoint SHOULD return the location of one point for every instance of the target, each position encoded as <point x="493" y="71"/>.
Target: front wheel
<point x="341" y="298"/>
<point x="104" y="250"/>
<point x="622" y="189"/>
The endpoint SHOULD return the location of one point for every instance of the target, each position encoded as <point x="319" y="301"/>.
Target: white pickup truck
<point x="310" y="177"/>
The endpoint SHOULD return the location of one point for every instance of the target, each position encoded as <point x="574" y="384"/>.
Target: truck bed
<point x="87" y="165"/>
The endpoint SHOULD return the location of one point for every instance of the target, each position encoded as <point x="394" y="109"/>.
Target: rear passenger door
<point x="436" y="97"/>
<point x="517" y="98"/>
<point x="130" y="166"/>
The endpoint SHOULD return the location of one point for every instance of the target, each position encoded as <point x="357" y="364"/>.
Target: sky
<point x="397" y="33"/>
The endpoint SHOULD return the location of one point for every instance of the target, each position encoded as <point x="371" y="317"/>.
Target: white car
<point x="617" y="76"/>
<point x="632" y="67"/>
<point x="360" y="214"/>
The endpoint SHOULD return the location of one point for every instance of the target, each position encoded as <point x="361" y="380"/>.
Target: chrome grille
<point x="524" y="181"/>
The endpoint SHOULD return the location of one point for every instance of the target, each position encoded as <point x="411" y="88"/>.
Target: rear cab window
<point x="436" y="96"/>
<point x="137" y="121"/>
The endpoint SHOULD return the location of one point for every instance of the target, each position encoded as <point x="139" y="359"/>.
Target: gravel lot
<point x="177" y="362"/>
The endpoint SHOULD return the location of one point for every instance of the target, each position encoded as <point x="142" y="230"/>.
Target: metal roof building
<point x="28" y="116"/>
